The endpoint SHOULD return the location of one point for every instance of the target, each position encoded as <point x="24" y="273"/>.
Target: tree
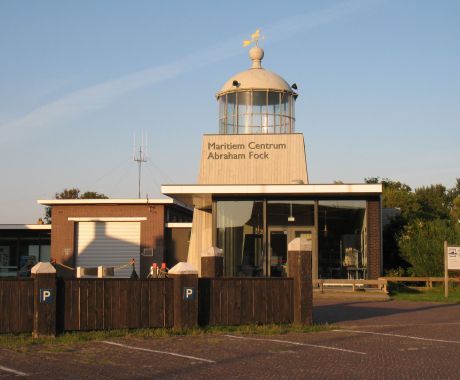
<point x="422" y="245"/>
<point x="455" y="211"/>
<point x="72" y="193"/>
<point x="433" y="202"/>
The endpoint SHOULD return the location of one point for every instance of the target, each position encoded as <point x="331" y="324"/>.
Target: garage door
<point x="109" y="244"/>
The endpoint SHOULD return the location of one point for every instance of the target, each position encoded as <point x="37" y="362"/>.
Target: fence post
<point x="300" y="269"/>
<point x="212" y="263"/>
<point x="44" y="275"/>
<point x="185" y="295"/>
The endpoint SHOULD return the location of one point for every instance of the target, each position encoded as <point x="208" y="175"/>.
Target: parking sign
<point x="46" y="296"/>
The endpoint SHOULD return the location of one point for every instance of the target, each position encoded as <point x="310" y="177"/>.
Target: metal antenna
<point x="140" y="156"/>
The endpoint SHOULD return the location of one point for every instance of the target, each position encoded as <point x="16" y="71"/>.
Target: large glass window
<point x="252" y="112"/>
<point x="342" y="239"/>
<point x="240" y="234"/>
<point x="287" y="220"/>
<point x="8" y="258"/>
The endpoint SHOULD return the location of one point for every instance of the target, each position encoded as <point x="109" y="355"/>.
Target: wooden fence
<point x="102" y="304"/>
<point x="380" y="284"/>
<point x="238" y="301"/>
<point x="16" y="305"/>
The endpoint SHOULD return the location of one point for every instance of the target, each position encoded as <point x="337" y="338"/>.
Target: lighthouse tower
<point x="257" y="143"/>
<point x="253" y="196"/>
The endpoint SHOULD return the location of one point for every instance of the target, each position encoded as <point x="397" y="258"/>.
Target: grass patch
<point x="436" y="294"/>
<point x="62" y="343"/>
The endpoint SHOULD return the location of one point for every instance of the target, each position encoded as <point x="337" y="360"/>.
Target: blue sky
<point x="378" y="81"/>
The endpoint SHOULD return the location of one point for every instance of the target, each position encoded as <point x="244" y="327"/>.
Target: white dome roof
<point x="256" y="78"/>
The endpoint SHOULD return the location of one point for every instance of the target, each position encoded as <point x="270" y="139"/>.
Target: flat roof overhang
<point x="108" y="201"/>
<point x="200" y="196"/>
<point x="25" y="226"/>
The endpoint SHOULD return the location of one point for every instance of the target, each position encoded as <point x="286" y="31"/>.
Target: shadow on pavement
<point x="331" y="312"/>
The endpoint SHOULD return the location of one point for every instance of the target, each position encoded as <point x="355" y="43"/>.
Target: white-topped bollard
<point x="299" y="268"/>
<point x="185" y="278"/>
<point x="44" y="275"/>
<point x="212" y="262"/>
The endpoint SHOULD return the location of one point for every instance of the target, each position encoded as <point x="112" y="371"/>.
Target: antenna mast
<point x="140" y="156"/>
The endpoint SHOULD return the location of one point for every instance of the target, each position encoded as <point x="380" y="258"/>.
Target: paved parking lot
<point x="372" y="340"/>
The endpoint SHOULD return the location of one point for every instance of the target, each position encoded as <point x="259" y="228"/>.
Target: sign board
<point x="453" y="258"/>
<point x="188" y="294"/>
<point x="253" y="159"/>
<point x="46" y="296"/>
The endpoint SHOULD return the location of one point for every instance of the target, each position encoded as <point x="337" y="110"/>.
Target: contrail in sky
<point x="95" y="97"/>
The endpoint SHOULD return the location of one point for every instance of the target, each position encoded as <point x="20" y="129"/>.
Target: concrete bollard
<point x="44" y="275"/>
<point x="300" y="269"/>
<point x="185" y="278"/>
<point x="212" y="263"/>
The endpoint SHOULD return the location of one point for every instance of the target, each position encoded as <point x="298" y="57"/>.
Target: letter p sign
<point x="46" y="296"/>
<point x="189" y="294"/>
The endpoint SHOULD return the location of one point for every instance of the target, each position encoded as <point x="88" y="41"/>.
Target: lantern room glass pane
<point x="246" y="112"/>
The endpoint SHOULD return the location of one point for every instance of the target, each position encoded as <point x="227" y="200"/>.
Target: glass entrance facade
<point x="254" y="235"/>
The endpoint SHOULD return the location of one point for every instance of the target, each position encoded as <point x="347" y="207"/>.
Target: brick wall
<point x="63" y="231"/>
<point x="374" y="238"/>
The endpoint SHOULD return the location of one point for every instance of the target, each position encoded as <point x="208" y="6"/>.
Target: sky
<point x="378" y="82"/>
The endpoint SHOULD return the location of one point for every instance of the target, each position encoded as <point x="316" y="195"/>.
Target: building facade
<point x="21" y="246"/>
<point x="89" y="233"/>
<point x="254" y="196"/>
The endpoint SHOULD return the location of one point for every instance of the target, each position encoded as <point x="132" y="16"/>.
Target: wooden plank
<point x="124" y="304"/>
<point x="134" y="300"/>
<point x="83" y="301"/>
<point x="247" y="305"/>
<point x="72" y="321"/>
<point x="287" y="301"/>
<point x="90" y="304"/>
<point x="2" y="308"/>
<point x="99" y="303"/>
<point x="204" y="301"/>
<point x="168" y="302"/>
<point x="273" y="300"/>
<point x="144" y="303"/>
<point x="217" y="299"/>
<point x="234" y="292"/>
<point x="6" y="315"/>
<point x="260" y="301"/>
<point x="26" y="306"/>
<point x="108" y="304"/>
<point x="157" y="305"/>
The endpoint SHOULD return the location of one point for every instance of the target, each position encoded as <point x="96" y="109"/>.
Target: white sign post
<point x="451" y="262"/>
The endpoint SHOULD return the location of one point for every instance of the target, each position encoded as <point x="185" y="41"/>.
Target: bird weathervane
<point x="255" y="37"/>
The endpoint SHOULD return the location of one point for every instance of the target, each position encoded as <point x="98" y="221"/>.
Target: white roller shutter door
<point x="109" y="244"/>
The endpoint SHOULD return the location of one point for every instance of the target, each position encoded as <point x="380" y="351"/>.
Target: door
<point x="108" y="244"/>
<point x="279" y="239"/>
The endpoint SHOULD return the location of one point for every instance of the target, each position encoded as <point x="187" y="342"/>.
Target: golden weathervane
<point x="255" y="37"/>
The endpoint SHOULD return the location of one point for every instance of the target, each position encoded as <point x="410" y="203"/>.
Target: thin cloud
<point x="90" y="99"/>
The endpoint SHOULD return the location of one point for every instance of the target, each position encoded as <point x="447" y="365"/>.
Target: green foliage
<point x="72" y="193"/>
<point x="23" y="342"/>
<point x="433" y="202"/>
<point x="435" y="294"/>
<point x="418" y="208"/>
<point x="422" y="245"/>
<point x="455" y="211"/>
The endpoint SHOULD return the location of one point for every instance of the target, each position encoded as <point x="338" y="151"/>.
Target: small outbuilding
<point x="89" y="233"/>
